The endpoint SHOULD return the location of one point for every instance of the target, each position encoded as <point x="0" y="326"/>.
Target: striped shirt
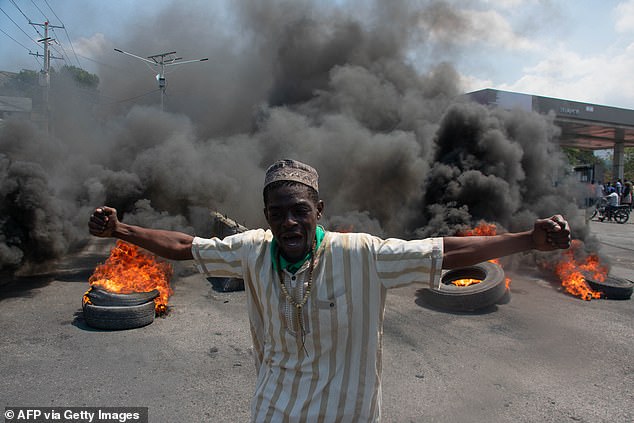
<point x="333" y="372"/>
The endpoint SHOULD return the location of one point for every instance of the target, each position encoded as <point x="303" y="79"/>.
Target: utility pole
<point x="45" y="75"/>
<point x="162" y="60"/>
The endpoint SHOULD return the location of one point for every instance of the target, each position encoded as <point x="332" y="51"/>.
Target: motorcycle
<point x="620" y="214"/>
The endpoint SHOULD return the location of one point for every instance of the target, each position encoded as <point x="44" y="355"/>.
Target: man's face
<point x="292" y="216"/>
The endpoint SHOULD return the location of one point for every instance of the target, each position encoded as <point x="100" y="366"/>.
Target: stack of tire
<point x="111" y="311"/>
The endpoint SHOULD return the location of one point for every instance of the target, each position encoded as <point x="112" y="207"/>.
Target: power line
<point x="56" y="39"/>
<point x="63" y="52"/>
<point x="72" y="47"/>
<point x="15" y="40"/>
<point x="36" y="30"/>
<point x="162" y="60"/>
<point x="27" y="18"/>
<point x="60" y="45"/>
<point x="67" y="36"/>
<point x="37" y="59"/>
<point x="38" y="8"/>
<point x="19" y="27"/>
<point x="98" y="62"/>
<point x="49" y="6"/>
<point x="132" y="98"/>
<point x="18" y="7"/>
<point x="25" y="47"/>
<point x="87" y="92"/>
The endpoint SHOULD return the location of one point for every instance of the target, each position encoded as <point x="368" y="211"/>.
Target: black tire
<point x="227" y="284"/>
<point x="126" y="317"/>
<point x="100" y="297"/>
<point x="621" y="216"/>
<point x="613" y="288"/>
<point x="468" y="298"/>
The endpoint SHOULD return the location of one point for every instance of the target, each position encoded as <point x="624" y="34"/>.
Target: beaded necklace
<point x="298" y="305"/>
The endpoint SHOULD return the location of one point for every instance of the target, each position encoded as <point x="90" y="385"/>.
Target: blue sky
<point x="581" y="50"/>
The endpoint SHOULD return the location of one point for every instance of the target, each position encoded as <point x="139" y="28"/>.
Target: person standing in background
<point x="626" y="196"/>
<point x="619" y="186"/>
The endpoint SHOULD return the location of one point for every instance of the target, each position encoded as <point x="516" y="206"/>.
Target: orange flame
<point x="573" y="272"/>
<point x="465" y="282"/>
<point x="129" y="269"/>
<point x="483" y="229"/>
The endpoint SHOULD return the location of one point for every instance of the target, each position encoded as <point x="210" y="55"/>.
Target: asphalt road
<point x="539" y="356"/>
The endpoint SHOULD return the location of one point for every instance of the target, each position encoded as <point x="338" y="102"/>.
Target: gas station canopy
<point x="583" y="125"/>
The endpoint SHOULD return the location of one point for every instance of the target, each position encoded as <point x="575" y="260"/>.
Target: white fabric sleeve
<point x="221" y="258"/>
<point x="400" y="262"/>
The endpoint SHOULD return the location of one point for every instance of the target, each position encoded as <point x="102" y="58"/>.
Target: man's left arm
<point x="547" y="235"/>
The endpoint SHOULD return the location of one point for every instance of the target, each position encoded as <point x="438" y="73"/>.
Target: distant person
<point x="619" y="186"/>
<point x="612" y="202"/>
<point x="599" y="193"/>
<point x="612" y="199"/>
<point x="316" y="298"/>
<point x="626" y="196"/>
<point x="590" y="191"/>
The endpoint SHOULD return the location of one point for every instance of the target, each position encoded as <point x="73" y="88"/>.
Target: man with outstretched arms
<point x="316" y="298"/>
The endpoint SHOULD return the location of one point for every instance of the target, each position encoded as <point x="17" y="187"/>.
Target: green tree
<point x="577" y="156"/>
<point x="80" y="76"/>
<point x="23" y="84"/>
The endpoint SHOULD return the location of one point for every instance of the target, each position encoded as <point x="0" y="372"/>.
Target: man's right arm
<point x="168" y="244"/>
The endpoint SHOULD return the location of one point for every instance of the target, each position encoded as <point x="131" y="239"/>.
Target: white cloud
<point x="468" y="27"/>
<point x="94" y="46"/>
<point x="470" y="83"/>
<point x="603" y="79"/>
<point x="625" y="16"/>
<point x="505" y="4"/>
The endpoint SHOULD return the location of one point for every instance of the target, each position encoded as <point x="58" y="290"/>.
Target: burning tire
<point x="119" y="317"/>
<point x="468" y="298"/>
<point x="613" y="288"/>
<point x="101" y="297"/>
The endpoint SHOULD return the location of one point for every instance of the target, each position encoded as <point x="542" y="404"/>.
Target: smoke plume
<point x="399" y="152"/>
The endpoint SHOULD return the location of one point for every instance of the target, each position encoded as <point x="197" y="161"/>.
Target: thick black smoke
<point x="399" y="153"/>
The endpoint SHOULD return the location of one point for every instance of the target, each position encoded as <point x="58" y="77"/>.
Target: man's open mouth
<point x="292" y="241"/>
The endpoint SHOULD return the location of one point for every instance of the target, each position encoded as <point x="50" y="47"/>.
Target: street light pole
<point x="162" y="60"/>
